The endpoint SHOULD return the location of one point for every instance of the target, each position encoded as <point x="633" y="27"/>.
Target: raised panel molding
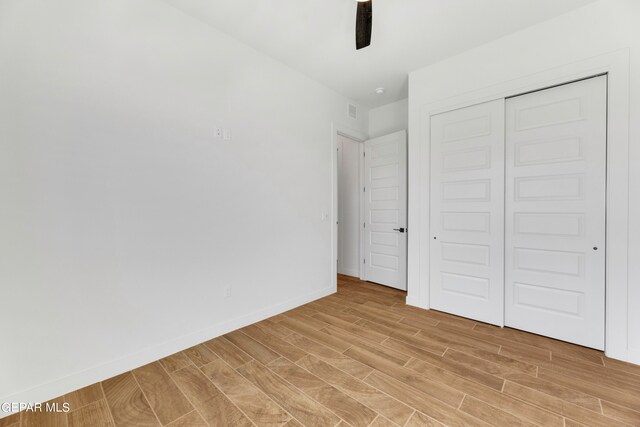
<point x="466" y="160"/>
<point x="387" y="150"/>
<point x="384" y="171"/>
<point x="389" y="262"/>
<point x="549" y="224"/>
<point x="469" y="286"/>
<point x="548" y="299"/>
<point x="467" y="221"/>
<point x="549" y="188"/>
<point x="465" y="129"/>
<point x="384" y="194"/>
<point x="466" y="253"/>
<point x="384" y="238"/>
<point x="565" y="111"/>
<point x="467" y="191"/>
<point x="379" y="216"/>
<point x="549" y="151"/>
<point x="549" y="261"/>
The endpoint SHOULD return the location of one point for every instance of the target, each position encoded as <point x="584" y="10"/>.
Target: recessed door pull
<point x="595" y="248"/>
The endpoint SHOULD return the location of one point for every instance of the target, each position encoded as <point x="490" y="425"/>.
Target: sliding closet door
<point x="467" y="212"/>
<point x="555" y="212"/>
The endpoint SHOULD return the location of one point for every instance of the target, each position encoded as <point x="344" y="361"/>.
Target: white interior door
<point x="385" y="209"/>
<point x="467" y="212"/>
<point x="555" y="212"/>
<point x="349" y="192"/>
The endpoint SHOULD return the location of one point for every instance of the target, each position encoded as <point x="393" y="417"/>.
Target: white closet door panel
<point x="555" y="212"/>
<point x="467" y="212"/>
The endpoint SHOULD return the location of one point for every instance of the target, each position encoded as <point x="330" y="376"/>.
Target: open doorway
<point x="349" y="152"/>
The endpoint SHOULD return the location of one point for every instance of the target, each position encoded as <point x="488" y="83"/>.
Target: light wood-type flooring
<point x="362" y="357"/>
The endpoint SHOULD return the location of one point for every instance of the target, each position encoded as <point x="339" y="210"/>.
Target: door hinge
<point x="364" y="154"/>
<point x="364" y="261"/>
<point x="364" y="225"/>
<point x="364" y="189"/>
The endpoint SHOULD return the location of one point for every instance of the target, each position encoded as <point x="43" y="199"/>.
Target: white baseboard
<point x="50" y="390"/>
<point x="415" y="302"/>
<point x="349" y="272"/>
<point x="633" y="356"/>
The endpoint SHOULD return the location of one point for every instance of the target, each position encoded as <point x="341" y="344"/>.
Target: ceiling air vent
<point x="353" y="111"/>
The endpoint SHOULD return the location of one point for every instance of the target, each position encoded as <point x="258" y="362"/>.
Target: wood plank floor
<point x="362" y="357"/>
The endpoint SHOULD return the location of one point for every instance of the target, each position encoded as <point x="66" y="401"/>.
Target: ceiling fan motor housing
<point x="364" y="23"/>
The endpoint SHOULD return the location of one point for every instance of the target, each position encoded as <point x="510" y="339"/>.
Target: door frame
<point x="351" y="133"/>
<point x="616" y="66"/>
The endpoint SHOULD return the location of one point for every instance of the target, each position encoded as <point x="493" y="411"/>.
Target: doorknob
<point x="401" y="230"/>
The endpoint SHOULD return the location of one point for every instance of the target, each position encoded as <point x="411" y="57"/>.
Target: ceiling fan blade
<point x="364" y="22"/>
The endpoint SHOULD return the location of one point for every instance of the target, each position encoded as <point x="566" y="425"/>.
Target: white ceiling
<point x="316" y="37"/>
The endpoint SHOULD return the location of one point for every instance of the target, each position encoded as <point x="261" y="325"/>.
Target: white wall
<point x="122" y="218"/>
<point x="349" y="206"/>
<point x="597" y="29"/>
<point x="389" y="118"/>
